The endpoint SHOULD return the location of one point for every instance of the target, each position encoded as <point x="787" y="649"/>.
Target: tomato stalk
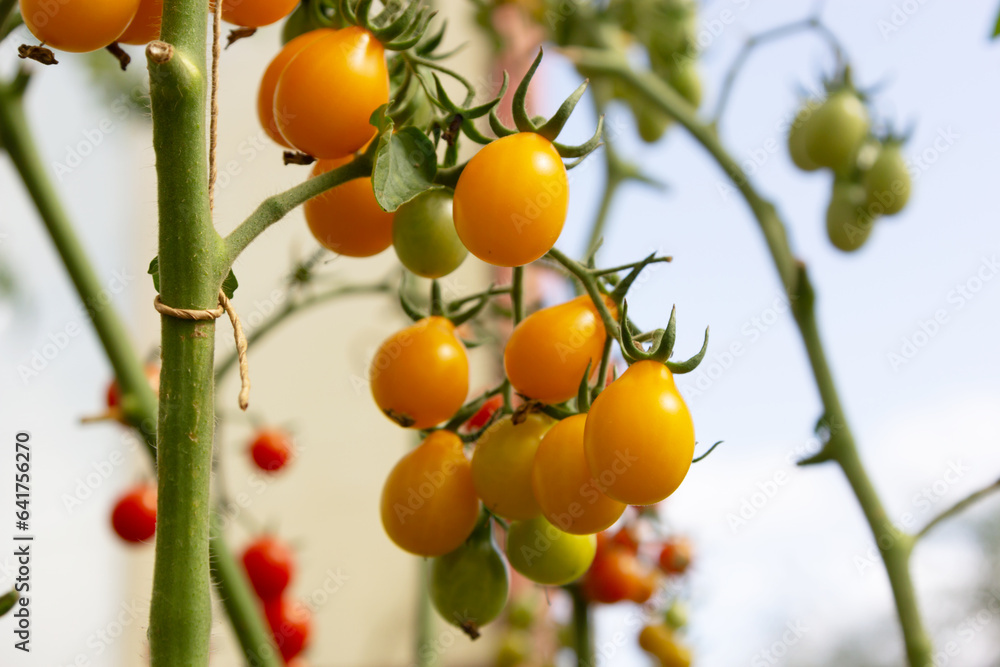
<point x="583" y="641"/>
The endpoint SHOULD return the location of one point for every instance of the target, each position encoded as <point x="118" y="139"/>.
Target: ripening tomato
<point x="887" y="183"/>
<point x="675" y="556"/>
<point x="547" y="555"/>
<point x="291" y="625"/>
<point x="848" y="220"/>
<point x="271" y="449"/>
<point x="429" y="505"/>
<point x="423" y="234"/>
<point x="836" y="130"/>
<point x="78" y="26"/>
<point x="502" y="464"/>
<point x="134" y="515"/>
<point x="269" y="564"/>
<point x="328" y="91"/>
<point x="485" y="413"/>
<point x="269" y="82"/>
<point x="145" y="25"/>
<point x="569" y="496"/>
<point x="639" y="438"/>
<point x="347" y="219"/>
<point x="548" y="352"/>
<point x="797" y="140"/>
<point x="617" y="575"/>
<point x="511" y="200"/>
<point x="659" y="641"/>
<point x="420" y="375"/>
<point x="256" y="13"/>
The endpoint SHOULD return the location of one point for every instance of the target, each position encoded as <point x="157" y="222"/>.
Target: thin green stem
<point x="589" y="282"/>
<point x="957" y="508"/>
<point x="6" y="12"/>
<point x="583" y="640"/>
<point x="426" y="656"/>
<point x="517" y="294"/>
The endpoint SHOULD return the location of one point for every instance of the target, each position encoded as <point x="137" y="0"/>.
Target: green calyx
<point x="397" y="29"/>
<point x="662" y="343"/>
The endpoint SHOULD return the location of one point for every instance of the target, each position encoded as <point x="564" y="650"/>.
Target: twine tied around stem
<point x="204" y="315"/>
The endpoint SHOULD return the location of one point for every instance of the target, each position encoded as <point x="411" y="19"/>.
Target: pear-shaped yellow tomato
<point x="570" y="497"/>
<point x="639" y="435"/>
<point x="511" y="200"/>
<point x="269" y="82"/>
<point x="502" y="464"/>
<point x="547" y="354"/>
<point x="429" y="505"/>
<point x="420" y="375"/>
<point x="547" y="555"/>
<point x="328" y="91"/>
<point x="78" y="26"/>
<point x="659" y="641"/>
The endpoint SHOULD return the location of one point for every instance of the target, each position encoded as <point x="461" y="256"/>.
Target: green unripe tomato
<point x="836" y="130"/>
<point x="649" y="121"/>
<point x="546" y="555"/>
<point x="887" y="183"/>
<point x="424" y="236"/>
<point x="848" y="220"/>
<point x="797" y="140"/>
<point x="514" y="650"/>
<point x="468" y="586"/>
<point x="683" y="77"/>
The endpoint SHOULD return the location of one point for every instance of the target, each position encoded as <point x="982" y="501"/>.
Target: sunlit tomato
<point x="659" y="641"/>
<point x="797" y="140"/>
<point x="429" y="505"/>
<point x="256" y="13"/>
<point x="114" y="395"/>
<point x="639" y="438"/>
<point x="569" y="496"/>
<point x="269" y="564"/>
<point x="547" y="555"/>
<point x="617" y="575"/>
<point x="134" y="515"/>
<point x="511" y="200"/>
<point x="836" y="130"/>
<point x="145" y="26"/>
<point x="887" y="183"/>
<point x="848" y="221"/>
<point x="420" y="375"/>
<point x="271" y="449"/>
<point x="269" y="82"/>
<point x="548" y="352"/>
<point x="78" y="26"/>
<point x="423" y="234"/>
<point x="485" y="413"/>
<point x="327" y="93"/>
<point x="502" y="464"/>
<point x="347" y="219"/>
<point x="675" y="557"/>
<point x="291" y="625"/>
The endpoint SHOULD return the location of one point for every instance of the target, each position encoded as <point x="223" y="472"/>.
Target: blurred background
<point x="777" y="547"/>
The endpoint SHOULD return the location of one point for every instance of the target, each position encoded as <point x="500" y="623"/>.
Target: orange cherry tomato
<point x="145" y="26"/>
<point x="502" y="463"/>
<point x="269" y="82"/>
<point x="347" y="219"/>
<point x="548" y="352"/>
<point x="420" y="375"/>
<point x="639" y="439"/>
<point x="627" y="539"/>
<point x="328" y="91"/>
<point x="429" y="504"/>
<point x="256" y="13"/>
<point x="617" y="575"/>
<point x="675" y="557"/>
<point x="570" y="497"/>
<point x="78" y="26"/>
<point x="511" y="200"/>
<point x="659" y="641"/>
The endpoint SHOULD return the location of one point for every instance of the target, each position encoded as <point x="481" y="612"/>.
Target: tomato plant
<point x="134" y="515"/>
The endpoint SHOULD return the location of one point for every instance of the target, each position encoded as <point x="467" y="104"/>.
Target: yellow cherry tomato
<point x="420" y="375"/>
<point x="256" y="13"/>
<point x="511" y="200"/>
<point x="639" y="438"/>
<point x="659" y="641"/>
<point x="328" y="91"/>
<point x="269" y="82"/>
<point x="547" y="555"/>
<point x="570" y="497"/>
<point x="429" y="505"/>
<point x="78" y="26"/>
<point x="547" y="354"/>
<point x="347" y="219"/>
<point x="145" y="26"/>
<point x="502" y="464"/>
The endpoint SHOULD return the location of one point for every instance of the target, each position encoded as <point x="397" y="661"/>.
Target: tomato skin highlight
<point x="546" y="555"/>
<point x="423" y="234"/>
<point x="269" y="82"/>
<point x="145" y="25"/>
<point x="78" y="26"/>
<point x="429" y="505"/>
<point x="502" y="464"/>
<point x="291" y="625"/>
<point x="347" y="219"/>
<point x="639" y="429"/>
<point x="569" y="496"/>
<point x="269" y="564"/>
<point x="256" y="13"/>
<point x="134" y="515"/>
<point x="420" y="375"/>
<point x="548" y="352"/>
<point x="521" y="222"/>
<point x="328" y="91"/>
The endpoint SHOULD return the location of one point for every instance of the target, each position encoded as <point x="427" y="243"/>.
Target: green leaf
<point x="8" y="601"/>
<point x="405" y="163"/>
<point x="154" y="270"/>
<point x="230" y="284"/>
<point x="996" y="28"/>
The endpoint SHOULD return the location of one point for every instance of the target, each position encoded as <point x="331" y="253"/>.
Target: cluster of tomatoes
<point x="870" y="176"/>
<point x="270" y="564"/>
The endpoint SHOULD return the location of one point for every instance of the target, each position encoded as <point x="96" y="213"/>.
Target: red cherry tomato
<point x="271" y="449"/>
<point x="291" y="625"/>
<point x="675" y="556"/>
<point x="269" y="564"/>
<point x="134" y="515"/>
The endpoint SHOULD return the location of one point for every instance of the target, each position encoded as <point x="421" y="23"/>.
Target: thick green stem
<point x="894" y="546"/>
